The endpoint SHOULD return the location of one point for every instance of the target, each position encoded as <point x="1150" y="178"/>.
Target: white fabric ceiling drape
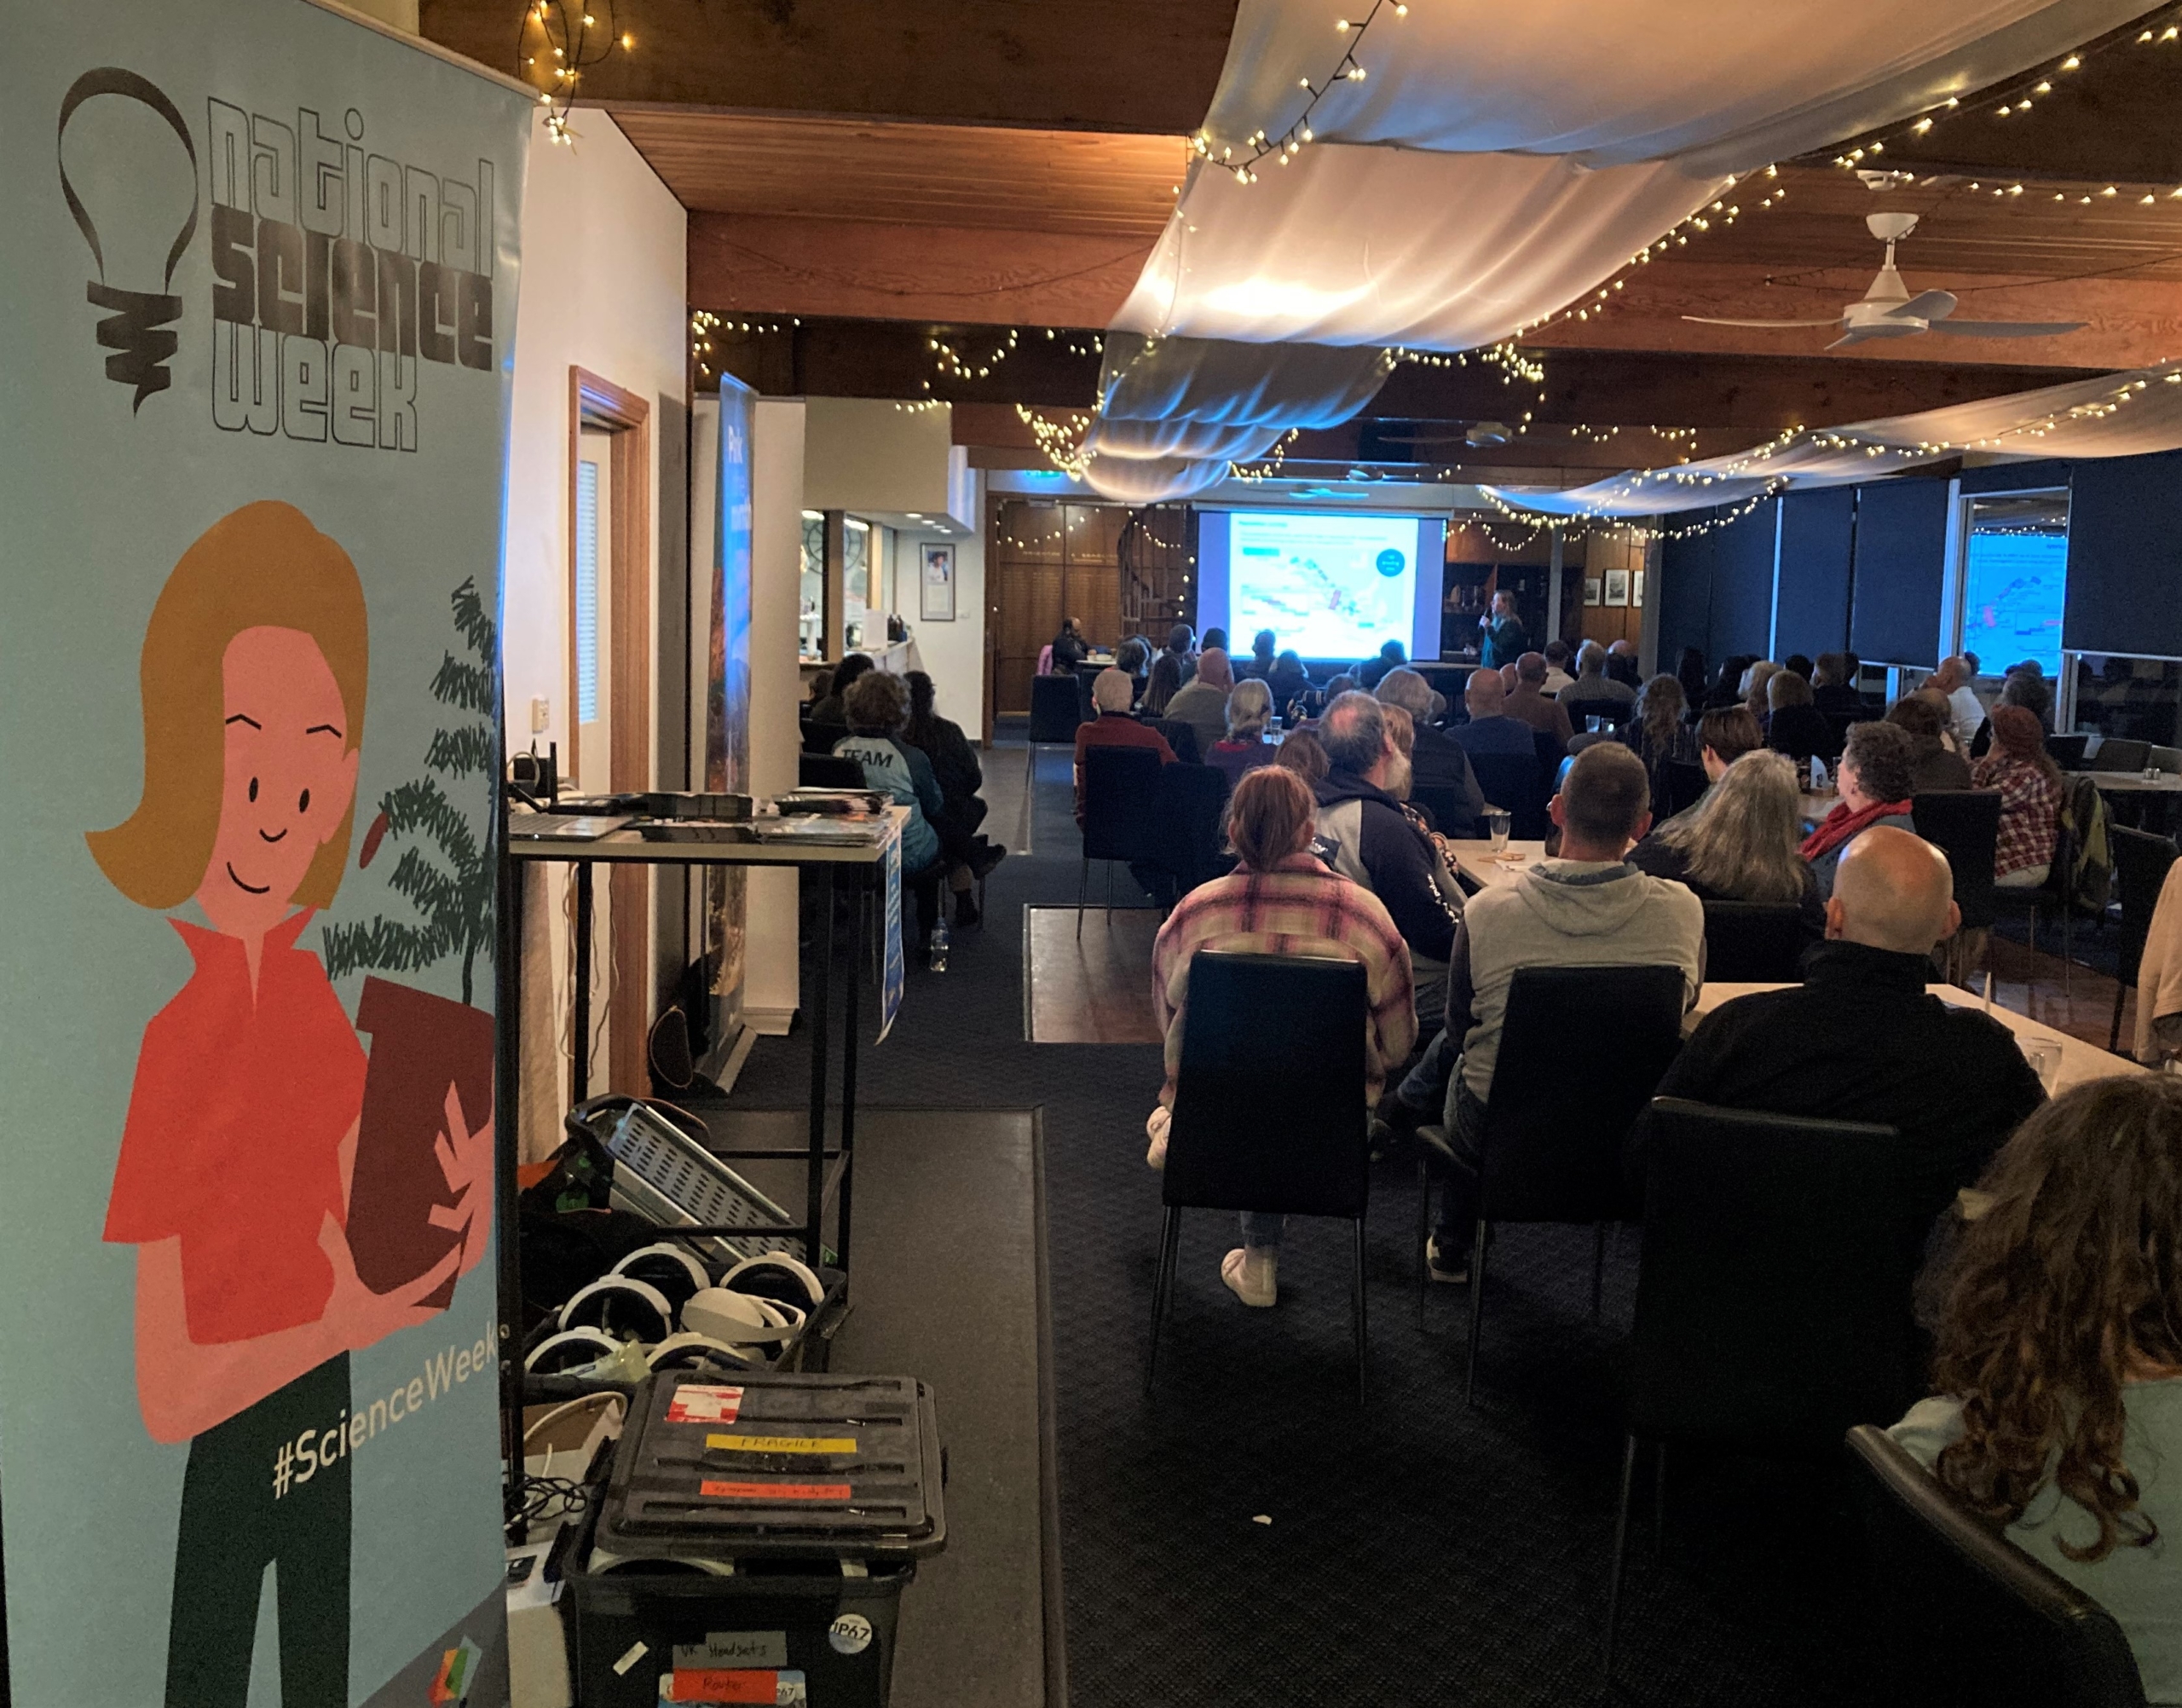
<point x="2116" y="415"/>
<point x="1498" y="162"/>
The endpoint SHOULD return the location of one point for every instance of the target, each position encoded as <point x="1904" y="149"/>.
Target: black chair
<point x="1269" y="1113"/>
<point x="1085" y="709"/>
<point x="2167" y="759"/>
<point x="1582" y="1050"/>
<point x="1120" y="813"/>
<point x="2115" y="754"/>
<point x="1754" y="942"/>
<point x="1189" y="814"/>
<point x="2140" y="864"/>
<point x="1686" y="783"/>
<point x="1515" y="782"/>
<point x="819" y="734"/>
<point x="1972" y="1619"/>
<point x="1965" y="825"/>
<point x="828" y="771"/>
<point x="1179" y="736"/>
<point x="1772" y="1305"/>
<point x="2067" y="751"/>
<point x="1055" y="710"/>
<point x="1444" y="802"/>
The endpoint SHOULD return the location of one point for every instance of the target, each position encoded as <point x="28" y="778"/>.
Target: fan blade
<point x="1857" y="335"/>
<point x="2007" y="329"/>
<point x="1714" y="321"/>
<point x="1926" y="305"/>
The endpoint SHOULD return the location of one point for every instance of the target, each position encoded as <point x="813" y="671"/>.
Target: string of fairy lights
<point x="703" y="323"/>
<point x="1261" y="143"/>
<point x="570" y="41"/>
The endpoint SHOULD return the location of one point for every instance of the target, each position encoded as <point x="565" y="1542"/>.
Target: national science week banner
<point x="257" y="301"/>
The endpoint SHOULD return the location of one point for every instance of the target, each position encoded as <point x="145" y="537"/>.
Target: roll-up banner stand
<point x="258" y="305"/>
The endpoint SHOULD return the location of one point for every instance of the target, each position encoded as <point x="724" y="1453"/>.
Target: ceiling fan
<point x="1887" y="310"/>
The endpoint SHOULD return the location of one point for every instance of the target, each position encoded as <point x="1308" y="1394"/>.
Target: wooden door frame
<point x="599" y="403"/>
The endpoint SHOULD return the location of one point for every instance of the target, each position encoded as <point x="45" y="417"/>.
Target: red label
<point x="713" y="1490"/>
<point x="697" y="1404"/>
<point x="722" y="1684"/>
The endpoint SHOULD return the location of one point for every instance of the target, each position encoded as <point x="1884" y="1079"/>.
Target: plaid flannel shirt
<point x="2030" y="811"/>
<point x="1298" y="908"/>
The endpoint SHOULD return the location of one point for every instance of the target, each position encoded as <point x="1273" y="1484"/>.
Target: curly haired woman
<point x="2060" y="1358"/>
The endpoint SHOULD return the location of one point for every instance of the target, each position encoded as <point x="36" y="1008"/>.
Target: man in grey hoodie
<point x="1589" y="907"/>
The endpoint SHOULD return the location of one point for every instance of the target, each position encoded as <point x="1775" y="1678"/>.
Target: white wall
<point x="605" y="280"/>
<point x="865" y="453"/>
<point x="769" y="991"/>
<point x="952" y="653"/>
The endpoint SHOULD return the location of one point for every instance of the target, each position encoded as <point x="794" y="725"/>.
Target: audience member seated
<point x="1727" y="687"/>
<point x="1439" y="760"/>
<point x="1289" y="681"/>
<point x="1212" y="637"/>
<point x="1622" y="666"/>
<point x="1738" y="843"/>
<point x="1965" y="711"/>
<point x="1874" y="776"/>
<point x="1528" y="703"/>
<point x="1279" y="900"/>
<point x="1165" y="683"/>
<point x="1504" y="639"/>
<point x="1364" y="834"/>
<point x="1203" y="704"/>
<point x="1689" y="671"/>
<point x="2026" y="686"/>
<point x="2029" y="783"/>
<point x="1588" y="906"/>
<point x="1069" y="650"/>
<point x="1861" y="1039"/>
<point x="1933" y="764"/>
<point x="1259" y="663"/>
<point x="1834" y="684"/>
<point x="1373" y="671"/>
<point x="1795" y="726"/>
<point x="1725" y="734"/>
<point x="816" y="690"/>
<point x="1113" y="728"/>
<point x="878" y="707"/>
<point x="1658" y="735"/>
<point x="1490" y="728"/>
<point x="1244" y="748"/>
<point x="2058" y="1419"/>
<point x="1133" y="658"/>
<point x="1181" y="646"/>
<point x="1753" y="685"/>
<point x="1302" y="753"/>
<point x="1797" y="664"/>
<point x="831" y="709"/>
<point x="954" y="766"/>
<point x="1339" y="685"/>
<point x="1592" y="691"/>
<point x="1558" y="654"/>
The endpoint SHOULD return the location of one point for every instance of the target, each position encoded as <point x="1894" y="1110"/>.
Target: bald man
<point x="1490" y="728"/>
<point x="1861" y="1040"/>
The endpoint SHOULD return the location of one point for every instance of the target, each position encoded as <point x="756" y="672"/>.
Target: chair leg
<point x="1476" y="1311"/>
<point x="1620" y="1555"/>
<point x="1110" y="894"/>
<point x="2114" y="1038"/>
<point x="1424" y="1232"/>
<point x="1659" y="1503"/>
<point x="1357" y="1309"/>
<point x="2030" y="973"/>
<point x="1082" y="889"/>
<point x="1162" y="1281"/>
<point x="1598" y="1269"/>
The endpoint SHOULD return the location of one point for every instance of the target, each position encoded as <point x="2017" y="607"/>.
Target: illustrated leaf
<point x="438" y="897"/>
<point x="385" y="944"/>
<point x="471" y="618"/>
<point x="469" y="686"/>
<point x="422" y="806"/>
<point x="463" y="751"/>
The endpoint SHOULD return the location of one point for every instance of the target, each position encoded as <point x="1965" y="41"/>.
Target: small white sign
<point x="850" y="1634"/>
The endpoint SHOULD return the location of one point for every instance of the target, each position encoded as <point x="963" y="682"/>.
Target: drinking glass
<point x="1497" y="825"/>
<point x="2043" y="1055"/>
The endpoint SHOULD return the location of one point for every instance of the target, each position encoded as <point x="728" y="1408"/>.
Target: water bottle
<point x="937" y="960"/>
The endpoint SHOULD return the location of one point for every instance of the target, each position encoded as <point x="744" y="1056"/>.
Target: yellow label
<point x="781" y="1443"/>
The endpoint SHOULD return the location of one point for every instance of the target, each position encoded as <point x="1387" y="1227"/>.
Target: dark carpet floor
<point x="1419" y="1550"/>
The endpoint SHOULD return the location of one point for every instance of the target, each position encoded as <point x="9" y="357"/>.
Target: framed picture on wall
<point x="1592" y="595"/>
<point x="936" y="583"/>
<point x="1617" y="587"/>
<point x="1637" y="587"/>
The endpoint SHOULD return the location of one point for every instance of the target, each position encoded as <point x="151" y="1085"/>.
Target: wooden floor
<point x="2081" y="1004"/>
<point x="1094" y="989"/>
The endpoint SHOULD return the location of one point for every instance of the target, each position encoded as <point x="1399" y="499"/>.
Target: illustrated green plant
<point x="453" y="892"/>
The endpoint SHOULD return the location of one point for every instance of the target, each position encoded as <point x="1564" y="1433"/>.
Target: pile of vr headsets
<point x="660" y="1304"/>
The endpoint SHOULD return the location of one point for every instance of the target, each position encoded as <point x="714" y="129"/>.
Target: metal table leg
<point x="848" y="1069"/>
<point x="820" y="1026"/>
<point x="580" y="1064"/>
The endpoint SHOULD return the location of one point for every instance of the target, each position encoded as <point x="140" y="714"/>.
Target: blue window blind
<point x="587" y="592"/>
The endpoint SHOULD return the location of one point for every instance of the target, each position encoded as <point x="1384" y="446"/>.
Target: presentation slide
<point x="1330" y="586"/>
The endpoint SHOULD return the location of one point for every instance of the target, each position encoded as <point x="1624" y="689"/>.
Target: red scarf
<point x="1840" y="824"/>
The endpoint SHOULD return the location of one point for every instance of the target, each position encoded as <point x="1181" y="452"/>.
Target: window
<point x="2015" y="580"/>
<point x="586" y="591"/>
<point x="856" y="579"/>
<point x="2130" y="699"/>
<point x="812" y="603"/>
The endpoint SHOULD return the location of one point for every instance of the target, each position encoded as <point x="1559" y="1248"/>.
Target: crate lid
<point x="834" y="1466"/>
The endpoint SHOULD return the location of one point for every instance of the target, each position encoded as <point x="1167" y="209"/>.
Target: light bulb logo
<point x="136" y="328"/>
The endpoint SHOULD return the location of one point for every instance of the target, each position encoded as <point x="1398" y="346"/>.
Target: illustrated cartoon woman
<point x="234" y="1177"/>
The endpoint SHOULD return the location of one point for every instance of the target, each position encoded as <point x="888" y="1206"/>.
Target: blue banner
<point x="890" y="984"/>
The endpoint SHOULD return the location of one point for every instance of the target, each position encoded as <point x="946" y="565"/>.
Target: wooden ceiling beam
<point x="1123" y="64"/>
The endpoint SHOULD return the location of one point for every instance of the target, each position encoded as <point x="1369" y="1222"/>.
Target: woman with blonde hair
<point x="1756" y="681"/>
<point x="1659" y="735"/>
<point x="1250" y="709"/>
<point x="1738" y="843"/>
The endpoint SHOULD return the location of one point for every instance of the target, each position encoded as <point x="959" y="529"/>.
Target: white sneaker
<point x="1250" y="1274"/>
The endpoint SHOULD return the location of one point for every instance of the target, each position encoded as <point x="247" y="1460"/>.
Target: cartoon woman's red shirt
<point x="234" y="1132"/>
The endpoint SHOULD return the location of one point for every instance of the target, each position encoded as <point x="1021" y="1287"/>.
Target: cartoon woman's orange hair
<point x="263" y="566"/>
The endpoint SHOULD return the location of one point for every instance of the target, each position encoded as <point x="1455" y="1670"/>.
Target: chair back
<point x="1053" y="708"/>
<point x="1515" y="782"/>
<point x="1180" y="736"/>
<point x="2115" y="754"/>
<point x="1121" y="819"/>
<point x="828" y="771"/>
<point x="1973" y="1618"/>
<point x="1269" y="1109"/>
<point x="1754" y="942"/>
<point x="2169" y="759"/>
<point x="1582" y="1050"/>
<point x="1773" y="1307"/>
<point x="819" y="734"/>
<point x="1086" y="707"/>
<point x="2067" y="751"/>
<point x="2140" y="864"/>
<point x="1188" y="809"/>
<point x="1686" y="783"/>
<point x="1965" y="825"/>
<point x="1443" y="801"/>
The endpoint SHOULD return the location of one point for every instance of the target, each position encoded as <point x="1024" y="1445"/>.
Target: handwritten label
<point x="733" y="1649"/>
<point x="781" y="1443"/>
<point x="719" y="1490"/>
<point x="773" y="1688"/>
<point x="697" y="1404"/>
